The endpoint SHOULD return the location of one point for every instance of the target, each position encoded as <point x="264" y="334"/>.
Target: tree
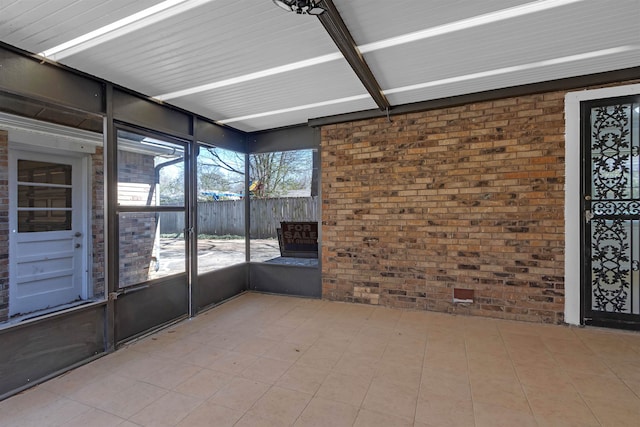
<point x="271" y="174"/>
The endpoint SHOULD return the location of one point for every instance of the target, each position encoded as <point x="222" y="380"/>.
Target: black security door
<point x="611" y="212"/>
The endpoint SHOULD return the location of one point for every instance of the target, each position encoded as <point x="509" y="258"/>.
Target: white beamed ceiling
<point x="223" y="39"/>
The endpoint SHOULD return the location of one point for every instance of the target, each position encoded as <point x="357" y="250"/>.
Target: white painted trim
<point x="572" y="215"/>
<point x="48" y="135"/>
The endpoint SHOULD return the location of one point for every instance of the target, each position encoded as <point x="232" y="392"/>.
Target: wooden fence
<point x="227" y="217"/>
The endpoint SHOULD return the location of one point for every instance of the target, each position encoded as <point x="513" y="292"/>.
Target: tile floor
<point x="264" y="360"/>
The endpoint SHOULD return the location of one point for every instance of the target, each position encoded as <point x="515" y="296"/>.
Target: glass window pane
<point x="38" y="221"/>
<point x="150" y="171"/>
<point x="146" y="251"/>
<point x="283" y="189"/>
<point x="44" y="172"/>
<point x="44" y="207"/>
<point x="221" y="235"/>
<point x="30" y="196"/>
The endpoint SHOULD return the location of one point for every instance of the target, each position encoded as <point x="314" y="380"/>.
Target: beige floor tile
<point x="391" y="398"/>
<point x="204" y="356"/>
<point x="175" y="349"/>
<point x="549" y="377"/>
<point x="453" y="386"/>
<point x="633" y="385"/>
<point x="94" y="418"/>
<point x="113" y="361"/>
<point x="551" y="407"/>
<point x="407" y="375"/>
<point x="409" y="340"/>
<point x="437" y="344"/>
<point x="275" y="332"/>
<point x="105" y="388"/>
<point x="615" y="414"/>
<point x="491" y="345"/>
<point x="240" y="393"/>
<point x="582" y="363"/>
<point x="343" y="388"/>
<point x="204" y="384"/>
<point x="131" y="400"/>
<point x="376" y="330"/>
<point x="314" y="363"/>
<point x="602" y="387"/>
<point x="320" y="357"/>
<point x="539" y="357"/>
<point x="566" y="346"/>
<point x="172" y="375"/>
<point x="488" y="415"/>
<point x="256" y="346"/>
<point x="628" y="370"/>
<point x="281" y="405"/>
<point x="233" y="363"/>
<point x="266" y="370"/>
<point x="439" y="410"/>
<point x="452" y="362"/>
<point x="303" y="337"/>
<point x="252" y="420"/>
<point x="168" y="410"/>
<point x="506" y="393"/>
<point x="303" y="378"/>
<point x="404" y="355"/>
<point x="368" y="418"/>
<point x="142" y="367"/>
<point x="482" y="365"/>
<point x="565" y="422"/>
<point x="326" y="413"/>
<point x="286" y="351"/>
<point x="368" y="347"/>
<point x="58" y="412"/>
<point x="70" y="382"/>
<point x="357" y="364"/>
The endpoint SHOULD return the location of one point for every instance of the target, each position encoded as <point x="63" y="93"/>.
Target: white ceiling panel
<point x="301" y="87"/>
<point x="227" y="58"/>
<point x="301" y="116"/>
<point x="523" y="40"/>
<point x="625" y="59"/>
<point x="212" y="42"/>
<point x="374" y="21"/>
<point x="36" y="25"/>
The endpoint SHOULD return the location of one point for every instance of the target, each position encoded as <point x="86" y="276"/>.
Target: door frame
<point x="25" y="142"/>
<point x="573" y="311"/>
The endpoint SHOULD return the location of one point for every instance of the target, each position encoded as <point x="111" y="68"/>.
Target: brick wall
<point x="97" y="222"/>
<point x="138" y="231"/>
<point x="4" y="225"/>
<point x="468" y="197"/>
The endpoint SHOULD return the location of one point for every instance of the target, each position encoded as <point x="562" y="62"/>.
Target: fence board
<point x="227" y="216"/>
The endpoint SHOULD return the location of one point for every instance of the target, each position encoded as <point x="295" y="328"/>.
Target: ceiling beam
<point x="335" y="26"/>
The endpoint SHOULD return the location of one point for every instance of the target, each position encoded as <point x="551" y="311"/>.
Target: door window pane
<point x="44" y="172"/>
<point x="146" y="252"/>
<point x="150" y="171"/>
<point x="44" y="196"/>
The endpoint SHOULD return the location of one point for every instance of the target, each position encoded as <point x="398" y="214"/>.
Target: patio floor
<point x="265" y="360"/>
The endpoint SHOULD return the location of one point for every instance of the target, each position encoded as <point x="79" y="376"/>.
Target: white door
<point x="47" y="223"/>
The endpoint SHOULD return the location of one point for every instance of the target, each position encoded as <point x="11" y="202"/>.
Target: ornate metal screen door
<point x="611" y="207"/>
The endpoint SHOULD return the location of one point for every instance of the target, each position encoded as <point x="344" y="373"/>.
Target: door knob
<point x="77" y="245"/>
<point x="78" y="234"/>
<point x="587" y="198"/>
